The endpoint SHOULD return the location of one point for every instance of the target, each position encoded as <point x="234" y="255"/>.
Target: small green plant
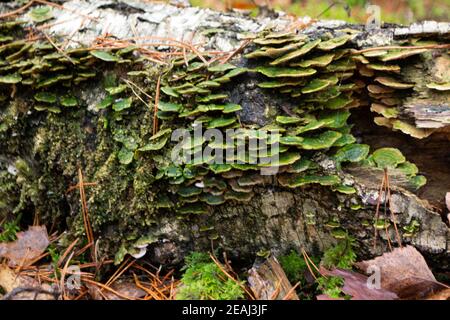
<point x="203" y="280"/>
<point x="331" y="286"/>
<point x="340" y="256"/>
<point x="295" y="266"/>
<point x="54" y="255"/>
<point x="9" y="232"/>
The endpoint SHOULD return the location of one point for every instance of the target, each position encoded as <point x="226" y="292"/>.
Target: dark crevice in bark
<point x="431" y="155"/>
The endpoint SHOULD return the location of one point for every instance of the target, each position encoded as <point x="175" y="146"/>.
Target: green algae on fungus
<point x="320" y="61"/>
<point x="104" y="55"/>
<point x="352" y="153"/>
<point x="322" y="141"/>
<point x="411" y="229"/>
<point x="122" y="104"/>
<point x="288" y="120"/>
<point x="300" y="180"/>
<point x="334" y="42"/>
<point x="345" y="189"/>
<point x="418" y="181"/>
<point x="11" y="78"/>
<point x="68" y="101"/>
<point x="275" y="72"/>
<point x="45" y="97"/>
<point x="41" y="14"/>
<point x="388" y="157"/>
<point x="297" y="53"/>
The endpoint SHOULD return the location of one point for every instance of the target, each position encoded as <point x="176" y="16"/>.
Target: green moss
<point x="342" y="255"/>
<point x="9" y="231"/>
<point x="204" y="280"/>
<point x="295" y="267"/>
<point x="331" y="286"/>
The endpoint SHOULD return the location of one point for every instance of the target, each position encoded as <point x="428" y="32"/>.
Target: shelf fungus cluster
<point x="195" y="93"/>
<point x="396" y="89"/>
<point x="50" y="127"/>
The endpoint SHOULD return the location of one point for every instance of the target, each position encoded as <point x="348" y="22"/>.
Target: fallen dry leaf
<point x="126" y="288"/>
<point x="441" y="295"/>
<point x="29" y="245"/>
<point x="355" y="285"/>
<point x="405" y="272"/>
<point x="11" y="281"/>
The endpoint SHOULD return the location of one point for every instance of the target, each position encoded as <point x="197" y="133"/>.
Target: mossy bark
<point x="41" y="153"/>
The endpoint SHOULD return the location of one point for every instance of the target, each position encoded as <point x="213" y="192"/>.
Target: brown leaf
<point x="126" y="288"/>
<point x="405" y="272"/>
<point x="11" y="281"/>
<point x="355" y="285"/>
<point x="29" y="245"/>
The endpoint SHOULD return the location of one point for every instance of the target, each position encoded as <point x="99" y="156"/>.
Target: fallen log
<point x="57" y="117"/>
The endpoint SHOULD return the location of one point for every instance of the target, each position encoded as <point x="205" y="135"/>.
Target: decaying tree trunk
<point x="269" y="282"/>
<point x="276" y="218"/>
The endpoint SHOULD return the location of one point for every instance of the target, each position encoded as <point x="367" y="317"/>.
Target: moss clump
<point x="8" y="231"/>
<point x="340" y="256"/>
<point x="332" y="287"/>
<point x="295" y="267"/>
<point x="203" y="280"/>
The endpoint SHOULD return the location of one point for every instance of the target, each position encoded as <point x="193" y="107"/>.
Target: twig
<point x="377" y="212"/>
<point x="68" y="250"/>
<point x="388" y="237"/>
<point x="139" y="88"/>
<point x="101" y="285"/>
<point x="154" y="277"/>
<point x="17" y="11"/>
<point x="230" y="276"/>
<point x="308" y="261"/>
<point x="57" y="48"/>
<point x="117" y="275"/>
<point x="82" y="250"/>
<point x="399" y="239"/>
<point x="87" y="224"/>
<point x="309" y="267"/>
<point x="155" y="110"/>
<point x="239" y="49"/>
<point x="47" y="25"/>
<point x="147" y="290"/>
<point x="290" y="292"/>
<point x="37" y="291"/>
<point x="172" y="292"/>
<point x="63" y="275"/>
<point x="277" y="290"/>
<point x="86" y="184"/>
<point x="136" y="94"/>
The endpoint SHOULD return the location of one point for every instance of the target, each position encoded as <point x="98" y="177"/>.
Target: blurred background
<point x="393" y="11"/>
